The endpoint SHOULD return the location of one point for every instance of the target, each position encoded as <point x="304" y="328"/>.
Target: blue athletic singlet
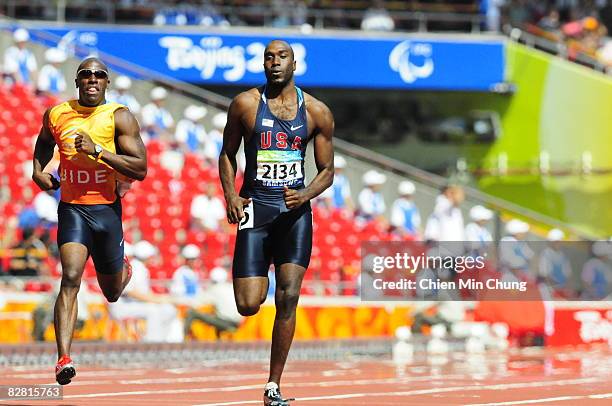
<point x="275" y="153"/>
<point x="270" y="232"/>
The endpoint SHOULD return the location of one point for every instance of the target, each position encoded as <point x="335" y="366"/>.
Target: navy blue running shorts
<point x="270" y="234"/>
<point x="98" y="227"/>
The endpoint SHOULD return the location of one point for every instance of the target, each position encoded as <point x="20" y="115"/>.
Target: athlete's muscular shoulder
<point x="244" y="107"/>
<point x="319" y="115"/>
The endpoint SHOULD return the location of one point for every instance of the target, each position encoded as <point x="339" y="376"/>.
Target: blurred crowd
<point x="382" y="15"/>
<point x="582" y="25"/>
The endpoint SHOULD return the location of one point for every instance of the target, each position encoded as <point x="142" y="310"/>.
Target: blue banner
<point x="346" y="62"/>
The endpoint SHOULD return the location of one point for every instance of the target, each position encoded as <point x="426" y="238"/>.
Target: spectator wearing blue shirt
<point x="185" y="280"/>
<point x="190" y="132"/>
<point x="120" y="94"/>
<point x="555" y="268"/>
<point x="597" y="272"/>
<point x="157" y="122"/>
<point x="405" y="216"/>
<point x="19" y="62"/>
<point x="51" y="80"/>
<point x="477" y="234"/>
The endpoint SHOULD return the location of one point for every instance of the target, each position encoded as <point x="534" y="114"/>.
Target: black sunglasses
<point x="98" y="73"/>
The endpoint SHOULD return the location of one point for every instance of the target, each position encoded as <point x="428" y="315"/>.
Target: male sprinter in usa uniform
<point x="98" y="142"/>
<point x="276" y="122"/>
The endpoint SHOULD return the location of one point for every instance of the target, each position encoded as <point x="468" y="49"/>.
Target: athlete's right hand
<point x="46" y="181"/>
<point x="235" y="208"/>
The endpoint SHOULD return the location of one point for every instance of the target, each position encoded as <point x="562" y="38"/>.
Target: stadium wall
<point x="562" y="109"/>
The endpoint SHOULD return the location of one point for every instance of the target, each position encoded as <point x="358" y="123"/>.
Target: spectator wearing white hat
<point x="51" y="80"/>
<point x="120" y="94"/>
<point x="597" y="272"/>
<point x="338" y="195"/>
<point x="515" y="252"/>
<point x="220" y="294"/>
<point x="446" y="221"/>
<point x="186" y="280"/>
<point x="190" y="132"/>
<point x="214" y="141"/>
<point x="370" y="199"/>
<point x="208" y="210"/>
<point x="19" y="62"/>
<point x="405" y="216"/>
<point x="157" y="122"/>
<point x="341" y="186"/>
<point x="555" y="268"/>
<point x="138" y="301"/>
<point x="476" y="232"/>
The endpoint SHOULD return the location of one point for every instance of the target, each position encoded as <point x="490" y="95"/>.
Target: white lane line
<point x="544" y="400"/>
<point x="89" y="374"/>
<point x="529" y="401"/>
<point x="349" y="395"/>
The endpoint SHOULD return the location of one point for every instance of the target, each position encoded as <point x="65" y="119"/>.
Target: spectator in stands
<point x="518" y="13"/>
<point x="377" y="18"/>
<point x="209" y="15"/>
<point x="19" y="62"/>
<point x="371" y="201"/>
<point x="554" y="267"/>
<point x="138" y="301"/>
<point x="338" y="195"/>
<point x="405" y="216"/>
<point x="491" y="9"/>
<point x="46" y="205"/>
<point x="186" y="280"/>
<point x="214" y="141"/>
<point x="208" y="210"/>
<point x="446" y="221"/>
<point x="514" y="251"/>
<point x="341" y="187"/>
<point x="597" y="272"/>
<point x="120" y="94"/>
<point x="51" y="81"/>
<point x="29" y="256"/>
<point x="173" y="158"/>
<point x="476" y="233"/>
<point x="157" y="122"/>
<point x="190" y="132"/>
<point x="551" y="21"/>
<point x="225" y="316"/>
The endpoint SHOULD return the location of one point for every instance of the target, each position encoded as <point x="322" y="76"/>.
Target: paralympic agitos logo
<point x="412" y="60"/>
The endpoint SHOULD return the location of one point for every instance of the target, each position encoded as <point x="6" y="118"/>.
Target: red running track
<point x="531" y="377"/>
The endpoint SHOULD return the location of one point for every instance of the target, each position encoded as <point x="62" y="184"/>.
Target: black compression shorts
<point x="98" y="227"/>
<point x="269" y="233"/>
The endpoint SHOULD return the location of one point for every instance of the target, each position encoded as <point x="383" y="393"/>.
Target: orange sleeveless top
<point x="83" y="179"/>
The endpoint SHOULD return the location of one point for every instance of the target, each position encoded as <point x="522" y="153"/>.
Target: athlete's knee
<point x="71" y="278"/>
<point x="287" y="302"/>
<point x="247" y="309"/>
<point x="112" y="296"/>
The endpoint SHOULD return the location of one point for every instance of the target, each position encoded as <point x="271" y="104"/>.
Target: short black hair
<point x="283" y="42"/>
<point x="92" y="59"/>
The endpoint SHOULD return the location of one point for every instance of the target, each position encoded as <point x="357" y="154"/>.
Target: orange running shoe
<point x="64" y="370"/>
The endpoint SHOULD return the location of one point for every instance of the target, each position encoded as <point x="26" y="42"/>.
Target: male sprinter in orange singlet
<point x="276" y="122"/>
<point x="98" y="143"/>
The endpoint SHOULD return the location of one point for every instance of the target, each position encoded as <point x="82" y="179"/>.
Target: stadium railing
<point x="558" y="48"/>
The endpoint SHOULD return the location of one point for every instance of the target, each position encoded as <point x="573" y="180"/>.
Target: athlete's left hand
<point x="84" y="144"/>
<point x="294" y="198"/>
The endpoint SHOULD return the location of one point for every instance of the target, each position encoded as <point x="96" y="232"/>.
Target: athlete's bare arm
<point x="321" y="120"/>
<point x="131" y="157"/>
<point x="43" y="152"/>
<point x="241" y="113"/>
